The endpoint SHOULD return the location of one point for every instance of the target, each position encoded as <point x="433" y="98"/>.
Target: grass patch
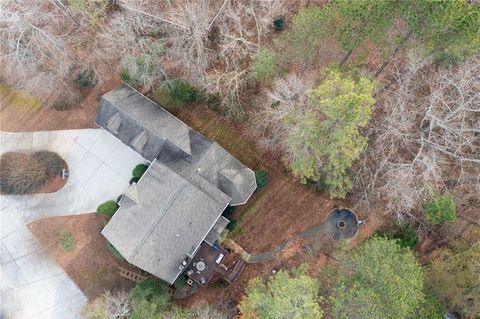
<point x="67" y="241"/>
<point x="18" y="98"/>
<point x="261" y="177"/>
<point x="253" y="206"/>
<point x="114" y="252"/>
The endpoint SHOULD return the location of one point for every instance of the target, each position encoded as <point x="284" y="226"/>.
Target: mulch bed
<point x="89" y="264"/>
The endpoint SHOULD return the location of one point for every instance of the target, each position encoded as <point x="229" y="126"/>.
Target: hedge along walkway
<point x="32" y="285"/>
<point x="327" y="228"/>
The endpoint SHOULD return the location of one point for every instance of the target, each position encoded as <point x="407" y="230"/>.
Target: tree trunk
<point x="394" y="53"/>
<point x="345" y="58"/>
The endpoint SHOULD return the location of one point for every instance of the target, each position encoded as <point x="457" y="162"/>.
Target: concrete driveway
<point x="100" y="168"/>
<point x="32" y="285"/>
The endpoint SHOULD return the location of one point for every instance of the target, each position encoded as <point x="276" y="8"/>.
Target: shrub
<point x="114" y="252"/>
<point x="67" y="241"/>
<point x="86" y="78"/>
<point x="175" y="93"/>
<point x="264" y="66"/>
<point x="279" y="23"/>
<point x="22" y="173"/>
<point x="153" y="292"/>
<point x="134" y="180"/>
<point x="180" y="282"/>
<point x="232" y="225"/>
<point x="228" y="212"/>
<point x="181" y="91"/>
<point x="261" y="177"/>
<point x="441" y="208"/>
<point x="52" y="162"/>
<point x="108" y="208"/>
<point x="405" y="235"/>
<point x="61" y="105"/>
<point x="139" y="170"/>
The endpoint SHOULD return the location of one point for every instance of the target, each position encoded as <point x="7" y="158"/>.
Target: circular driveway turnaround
<point x="31" y="284"/>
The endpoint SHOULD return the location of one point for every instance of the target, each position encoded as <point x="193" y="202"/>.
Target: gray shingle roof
<point x="190" y="181"/>
<point x="167" y="223"/>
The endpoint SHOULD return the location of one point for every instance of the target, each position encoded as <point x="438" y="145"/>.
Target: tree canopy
<point x="326" y="139"/>
<point x="379" y="279"/>
<point x="284" y="295"/>
<point x="455" y="279"/>
<point x="449" y="28"/>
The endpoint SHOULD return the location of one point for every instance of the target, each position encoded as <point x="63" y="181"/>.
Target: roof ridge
<point x="155" y="223"/>
<point x="130" y="115"/>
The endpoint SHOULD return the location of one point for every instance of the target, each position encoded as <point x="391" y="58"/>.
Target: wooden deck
<point x="209" y="260"/>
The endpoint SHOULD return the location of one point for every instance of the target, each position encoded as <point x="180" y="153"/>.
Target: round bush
<point x="181" y="92"/>
<point x="108" y="208"/>
<point x="86" y="78"/>
<point x="134" y="180"/>
<point x="441" y="208"/>
<point x="22" y="173"/>
<point x="279" y="23"/>
<point x="139" y="170"/>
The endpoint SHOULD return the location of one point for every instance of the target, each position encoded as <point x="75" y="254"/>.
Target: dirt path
<point x="327" y="228"/>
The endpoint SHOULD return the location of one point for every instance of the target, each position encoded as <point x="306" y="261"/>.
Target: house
<point x="176" y="206"/>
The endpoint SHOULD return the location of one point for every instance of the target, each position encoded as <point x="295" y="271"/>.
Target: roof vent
<point x="114" y="122"/>
<point x="139" y="141"/>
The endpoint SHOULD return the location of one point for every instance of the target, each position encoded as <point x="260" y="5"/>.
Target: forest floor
<point x="20" y="112"/>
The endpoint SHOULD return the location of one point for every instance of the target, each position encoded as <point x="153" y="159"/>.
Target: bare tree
<point x="287" y="94"/>
<point x="212" y="41"/>
<point x="33" y="50"/>
<point x="112" y="306"/>
<point x="427" y="131"/>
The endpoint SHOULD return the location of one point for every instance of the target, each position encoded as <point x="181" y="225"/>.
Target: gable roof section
<point x="126" y="113"/>
<point x="156" y="134"/>
<point x="156" y="228"/>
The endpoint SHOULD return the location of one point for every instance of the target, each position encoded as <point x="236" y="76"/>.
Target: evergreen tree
<point x="326" y="139"/>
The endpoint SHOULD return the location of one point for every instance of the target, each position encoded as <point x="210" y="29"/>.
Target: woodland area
<point x="375" y="102"/>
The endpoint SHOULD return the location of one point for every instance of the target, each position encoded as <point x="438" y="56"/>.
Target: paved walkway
<point x="31" y="284"/>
